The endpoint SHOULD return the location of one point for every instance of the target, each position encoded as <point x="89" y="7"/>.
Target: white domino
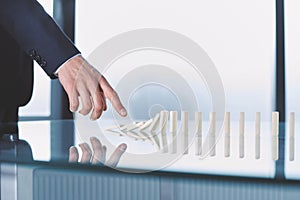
<point x="153" y="127"/>
<point x="122" y="130"/>
<point x="115" y="130"/>
<point x="163" y="131"/>
<point x="198" y="127"/>
<point x="142" y="133"/>
<point x="227" y="135"/>
<point x="129" y="130"/>
<point x="184" y="131"/>
<point x="257" y="135"/>
<point x="146" y="125"/>
<point x="173" y="131"/>
<point x="292" y="136"/>
<point x="275" y="133"/>
<point x="212" y="134"/>
<point x="242" y="135"/>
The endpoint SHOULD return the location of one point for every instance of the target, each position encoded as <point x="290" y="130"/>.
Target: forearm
<point x="36" y="33"/>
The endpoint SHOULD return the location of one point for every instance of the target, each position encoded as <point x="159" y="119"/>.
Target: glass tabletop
<point x="49" y="142"/>
<point x="35" y="162"/>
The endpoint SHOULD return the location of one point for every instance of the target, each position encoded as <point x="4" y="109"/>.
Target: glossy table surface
<point x="37" y="158"/>
<point x="49" y="142"/>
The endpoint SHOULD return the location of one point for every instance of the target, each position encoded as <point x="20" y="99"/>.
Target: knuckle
<point x="114" y="93"/>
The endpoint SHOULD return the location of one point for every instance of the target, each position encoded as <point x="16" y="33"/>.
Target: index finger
<point x="116" y="156"/>
<point x="112" y="96"/>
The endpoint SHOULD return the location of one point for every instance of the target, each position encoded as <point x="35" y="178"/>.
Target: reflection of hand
<point x="80" y="79"/>
<point x="99" y="155"/>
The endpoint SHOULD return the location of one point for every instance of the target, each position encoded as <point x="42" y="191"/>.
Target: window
<point x="292" y="45"/>
<point x="239" y="38"/>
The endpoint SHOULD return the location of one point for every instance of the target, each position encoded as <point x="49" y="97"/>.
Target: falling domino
<point x="198" y="124"/>
<point x="122" y="130"/>
<point x="130" y="131"/>
<point x="275" y="132"/>
<point x="292" y="136"/>
<point x="136" y="130"/>
<point x="112" y="129"/>
<point x="151" y="125"/>
<point x="153" y="128"/>
<point x="212" y="134"/>
<point x="242" y="133"/>
<point x="184" y="131"/>
<point x="163" y="131"/>
<point x="227" y="134"/>
<point x="173" y="130"/>
<point x="146" y="125"/>
<point x="257" y="135"/>
<point x="154" y="124"/>
<point x="141" y="129"/>
<point x="134" y="126"/>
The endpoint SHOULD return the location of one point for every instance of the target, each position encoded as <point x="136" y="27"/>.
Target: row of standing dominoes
<point x="212" y="134"/>
<point x="155" y="130"/>
<point x="275" y="134"/>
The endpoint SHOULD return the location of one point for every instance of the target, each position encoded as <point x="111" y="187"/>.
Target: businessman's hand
<point x="99" y="155"/>
<point x="82" y="80"/>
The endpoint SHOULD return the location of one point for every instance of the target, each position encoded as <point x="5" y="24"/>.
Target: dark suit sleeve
<point x="36" y="33"/>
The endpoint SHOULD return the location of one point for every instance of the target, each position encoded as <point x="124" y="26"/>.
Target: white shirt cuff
<point x="56" y="72"/>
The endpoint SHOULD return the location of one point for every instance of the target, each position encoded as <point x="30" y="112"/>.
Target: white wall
<point x="238" y="36"/>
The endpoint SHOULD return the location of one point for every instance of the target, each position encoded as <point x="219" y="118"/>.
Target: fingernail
<point x="72" y="148"/>
<point x="86" y="145"/>
<point x="123" y="147"/>
<point x="123" y="112"/>
<point x="93" y="139"/>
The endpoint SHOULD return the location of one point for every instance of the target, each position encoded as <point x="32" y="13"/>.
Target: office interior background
<point x="254" y="46"/>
